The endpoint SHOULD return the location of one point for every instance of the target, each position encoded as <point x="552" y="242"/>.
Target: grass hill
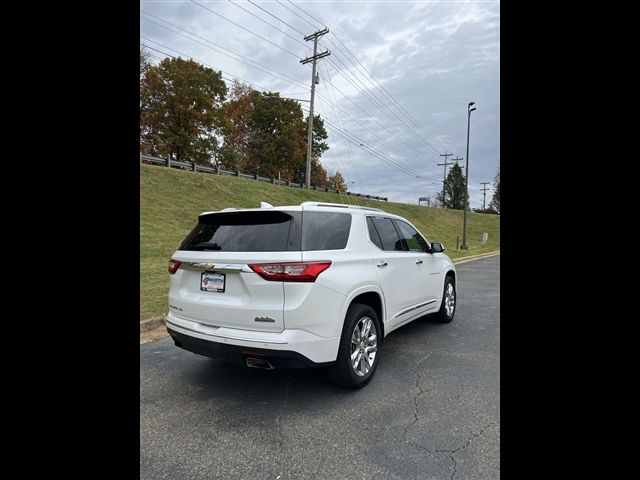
<point x="171" y="200"/>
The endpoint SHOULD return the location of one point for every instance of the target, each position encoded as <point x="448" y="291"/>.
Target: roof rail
<point x="338" y="205"/>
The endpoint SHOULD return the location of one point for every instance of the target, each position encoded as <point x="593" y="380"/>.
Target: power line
<point x="268" y="70"/>
<point x="418" y="124"/>
<point x="385" y="110"/>
<point x="389" y="161"/>
<point x="347" y="145"/>
<point x="381" y="101"/>
<point x="230" y="79"/>
<point x="395" y="163"/>
<point x="335" y="98"/>
<point x="393" y="134"/>
<point x="275" y="74"/>
<point x="297" y="15"/>
<point x="246" y="29"/>
<point x="263" y="20"/>
<point x="382" y="107"/>
<point x="371" y="117"/>
<point x="277" y="18"/>
<point x="400" y="107"/>
<point x="307" y="13"/>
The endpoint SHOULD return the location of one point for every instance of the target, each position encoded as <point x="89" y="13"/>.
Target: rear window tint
<point x="245" y="232"/>
<point x="325" y="230"/>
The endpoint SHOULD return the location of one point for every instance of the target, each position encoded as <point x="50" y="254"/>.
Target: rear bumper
<point x="291" y="348"/>
<point x="279" y="359"/>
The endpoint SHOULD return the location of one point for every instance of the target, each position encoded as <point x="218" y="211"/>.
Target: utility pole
<point x="457" y="159"/>
<point x="484" y="193"/>
<point x="316" y="56"/>
<point x="444" y="179"/>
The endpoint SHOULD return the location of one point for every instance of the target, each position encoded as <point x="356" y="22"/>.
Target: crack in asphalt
<point x="415" y="414"/>
<point x="453" y="452"/>
<point x="415" y="421"/>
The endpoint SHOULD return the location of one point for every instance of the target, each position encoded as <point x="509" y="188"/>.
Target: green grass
<point x="171" y="200"/>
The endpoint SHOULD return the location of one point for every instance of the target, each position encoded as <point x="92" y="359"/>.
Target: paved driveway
<point x="431" y="412"/>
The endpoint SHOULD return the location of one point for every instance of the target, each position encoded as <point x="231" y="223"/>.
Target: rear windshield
<point x="270" y="231"/>
<point x="245" y="232"/>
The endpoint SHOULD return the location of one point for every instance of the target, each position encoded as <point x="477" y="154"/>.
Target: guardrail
<point x="166" y="162"/>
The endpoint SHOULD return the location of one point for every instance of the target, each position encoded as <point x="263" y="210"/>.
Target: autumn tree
<point x="337" y="182"/>
<point x="455" y="195"/>
<point x="181" y="110"/>
<point x="318" y="147"/>
<point x="495" y="201"/>
<point x="265" y="134"/>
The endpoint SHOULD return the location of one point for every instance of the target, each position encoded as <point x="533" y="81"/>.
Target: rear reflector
<point x="174" y="265"/>
<point x="290" y="272"/>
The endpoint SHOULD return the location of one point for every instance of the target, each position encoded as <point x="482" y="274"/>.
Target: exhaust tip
<point x="259" y="363"/>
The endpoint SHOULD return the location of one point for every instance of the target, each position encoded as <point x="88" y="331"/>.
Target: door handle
<point x="418" y="262"/>
<point x="382" y="263"/>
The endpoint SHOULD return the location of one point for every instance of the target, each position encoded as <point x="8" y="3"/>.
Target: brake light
<point x="290" y="272"/>
<point x="174" y="265"/>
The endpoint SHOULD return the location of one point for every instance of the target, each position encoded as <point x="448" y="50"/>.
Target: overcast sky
<point x="431" y="57"/>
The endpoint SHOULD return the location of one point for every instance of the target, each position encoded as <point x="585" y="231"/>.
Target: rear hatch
<point x="214" y="283"/>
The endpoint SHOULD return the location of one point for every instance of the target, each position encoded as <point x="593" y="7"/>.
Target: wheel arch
<point x="372" y="297"/>
<point x="451" y="272"/>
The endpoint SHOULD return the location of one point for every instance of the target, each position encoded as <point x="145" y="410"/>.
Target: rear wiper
<point x="206" y="246"/>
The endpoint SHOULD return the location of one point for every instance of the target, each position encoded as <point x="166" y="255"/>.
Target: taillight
<point x="174" y="265"/>
<point x="290" y="272"/>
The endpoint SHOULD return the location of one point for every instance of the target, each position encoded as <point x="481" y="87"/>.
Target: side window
<point x="325" y="230"/>
<point x="373" y="233"/>
<point x="414" y="240"/>
<point x="389" y="235"/>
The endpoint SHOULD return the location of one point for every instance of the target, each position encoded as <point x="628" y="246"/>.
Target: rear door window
<point x="412" y="237"/>
<point x="373" y="233"/>
<point x="389" y="235"/>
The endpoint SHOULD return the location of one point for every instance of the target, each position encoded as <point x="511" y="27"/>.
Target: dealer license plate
<point x="212" y="282"/>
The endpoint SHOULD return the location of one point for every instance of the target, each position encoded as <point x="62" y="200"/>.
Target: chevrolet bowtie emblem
<point x="204" y="266"/>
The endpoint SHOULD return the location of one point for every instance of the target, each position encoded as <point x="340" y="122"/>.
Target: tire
<point x="448" y="307"/>
<point x="343" y="371"/>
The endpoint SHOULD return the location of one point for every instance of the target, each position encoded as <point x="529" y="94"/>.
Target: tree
<point x="495" y="201"/>
<point x="337" y="182"/>
<point x="181" y="110"/>
<point x="318" y="147"/>
<point x="454" y="190"/>
<point x="267" y="135"/>
<point x="144" y="64"/>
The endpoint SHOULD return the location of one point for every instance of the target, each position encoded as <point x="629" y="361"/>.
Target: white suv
<point x="316" y="284"/>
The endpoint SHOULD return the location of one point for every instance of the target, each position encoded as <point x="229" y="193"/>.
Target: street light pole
<point x="464" y="245"/>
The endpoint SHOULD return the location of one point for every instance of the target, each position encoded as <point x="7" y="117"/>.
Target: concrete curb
<point x="152" y="324"/>
<point x="475" y="257"/>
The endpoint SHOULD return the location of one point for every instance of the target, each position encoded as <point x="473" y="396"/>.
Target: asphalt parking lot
<point x="432" y="411"/>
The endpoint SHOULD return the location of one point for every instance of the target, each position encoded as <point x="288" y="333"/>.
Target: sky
<point x="393" y="92"/>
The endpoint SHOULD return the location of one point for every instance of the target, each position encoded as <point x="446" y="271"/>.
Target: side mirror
<point x="437" y="248"/>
